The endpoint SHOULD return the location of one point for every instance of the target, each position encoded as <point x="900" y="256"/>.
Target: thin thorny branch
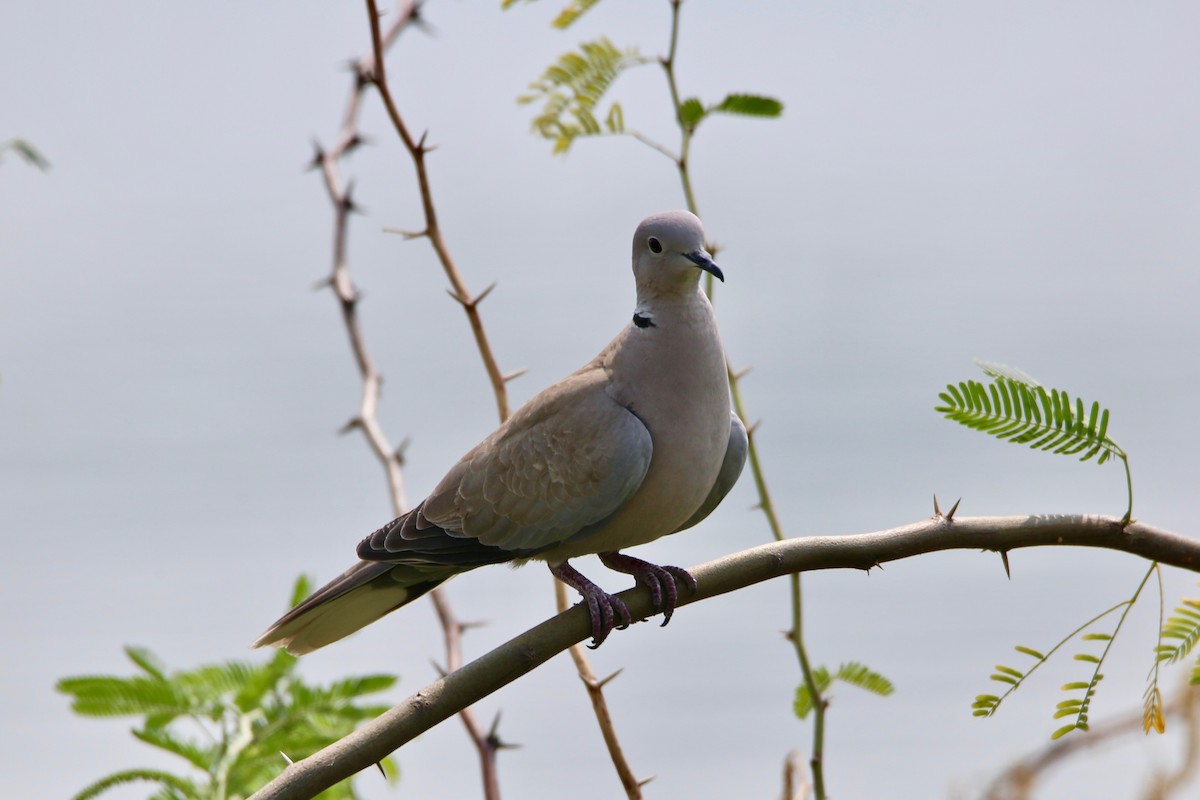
<point x="595" y="690"/>
<point x="417" y="150"/>
<point x="733" y="572"/>
<point x="367" y="419"/>
<point x="371" y="70"/>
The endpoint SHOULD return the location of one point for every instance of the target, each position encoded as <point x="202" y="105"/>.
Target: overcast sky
<point x="1017" y="182"/>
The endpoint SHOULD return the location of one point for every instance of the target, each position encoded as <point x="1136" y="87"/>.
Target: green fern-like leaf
<point x="691" y="111"/>
<point x="750" y="105"/>
<point x="1153" y="715"/>
<point x="180" y="787"/>
<point x="571" y="89"/>
<point x="852" y="673"/>
<point x="1184" y="627"/>
<point x="1018" y="409"/>
<point x="108" y="696"/>
<point x="28" y="153"/>
<point x="860" y="675"/>
<point x="803" y="703"/>
<point x="571" y="14"/>
<point x="246" y="714"/>
<point x="985" y="705"/>
<point x="201" y="757"/>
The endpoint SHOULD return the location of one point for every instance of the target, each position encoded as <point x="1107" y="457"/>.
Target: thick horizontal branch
<point x="506" y="663"/>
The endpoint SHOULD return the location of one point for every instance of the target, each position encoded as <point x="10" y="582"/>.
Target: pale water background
<point x="950" y="180"/>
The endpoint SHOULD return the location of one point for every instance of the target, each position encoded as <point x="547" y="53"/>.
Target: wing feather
<point x="567" y="459"/>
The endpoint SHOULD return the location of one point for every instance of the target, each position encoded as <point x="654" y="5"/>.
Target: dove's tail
<point x="357" y="597"/>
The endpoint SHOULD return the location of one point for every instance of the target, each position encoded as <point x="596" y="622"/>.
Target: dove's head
<point x="668" y="252"/>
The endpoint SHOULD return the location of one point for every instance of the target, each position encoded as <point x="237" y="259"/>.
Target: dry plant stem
<point x="595" y="690"/>
<point x="486" y="744"/>
<point x="417" y="150"/>
<point x="1018" y="781"/>
<point x="515" y="658"/>
<point x="367" y="420"/>
<point x="339" y="280"/>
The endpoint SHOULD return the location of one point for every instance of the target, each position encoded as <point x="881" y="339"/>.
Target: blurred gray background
<point x="1016" y="182"/>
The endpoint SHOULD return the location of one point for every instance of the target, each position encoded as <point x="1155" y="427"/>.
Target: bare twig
<point x="487" y="743"/>
<point x="339" y="281"/>
<point x="367" y="420"/>
<point x="595" y="690"/>
<point x="795" y="785"/>
<point x="506" y="663"/>
<point x="1018" y="781"/>
<point x="417" y="150"/>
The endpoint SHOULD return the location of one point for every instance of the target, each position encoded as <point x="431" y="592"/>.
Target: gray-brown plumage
<point x="637" y="444"/>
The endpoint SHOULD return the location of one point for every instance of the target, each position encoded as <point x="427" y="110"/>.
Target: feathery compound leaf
<point x="1016" y="408"/>
<point x="860" y="675"/>
<point x="1153" y="716"/>
<point x="244" y="713"/>
<point x="750" y="105"/>
<point x="181" y="786"/>
<point x="571" y="88"/>
<point x="1184" y="626"/>
<point x="27" y="152"/>
<point x="571" y="14"/>
<point x="691" y="111"/>
<point x="850" y="672"/>
<point x="803" y="703"/>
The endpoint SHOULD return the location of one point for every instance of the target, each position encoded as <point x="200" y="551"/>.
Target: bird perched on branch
<point x="637" y="444"/>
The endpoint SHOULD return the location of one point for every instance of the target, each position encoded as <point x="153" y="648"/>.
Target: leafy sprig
<point x="228" y="721"/>
<point x="852" y="673"/>
<point x="571" y="89"/>
<point x="1078" y="707"/>
<point x="1016" y="408"/>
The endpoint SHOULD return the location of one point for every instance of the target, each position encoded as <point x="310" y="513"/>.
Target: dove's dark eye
<point x="655" y="245"/>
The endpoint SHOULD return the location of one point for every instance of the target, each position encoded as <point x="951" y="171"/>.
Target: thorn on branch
<point x="356" y="139"/>
<point x="286" y="758"/>
<point x="483" y="294"/>
<point x="346" y="203"/>
<point x="439" y="669"/>
<point x="465" y="302"/>
<point x="407" y="235"/>
<point x="1007" y="569"/>
<point x="737" y="376"/>
<point x="512" y="376"/>
<point x="364" y="71"/>
<point x="415" y="17"/>
<point x="646" y="781"/>
<point x="342" y="287"/>
<point x="753" y="428"/>
<point x="352" y="424"/>
<point x="401" y="449"/>
<point x="605" y="682"/>
<point x="382" y="771"/>
<point x="950" y="513"/>
<point x="324" y="283"/>
<point x="318" y="157"/>
<point x="937" y="511"/>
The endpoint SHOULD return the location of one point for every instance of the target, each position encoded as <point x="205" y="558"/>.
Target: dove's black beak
<point x="704" y="261"/>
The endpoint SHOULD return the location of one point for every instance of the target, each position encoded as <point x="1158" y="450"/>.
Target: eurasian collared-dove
<point x="637" y="444"/>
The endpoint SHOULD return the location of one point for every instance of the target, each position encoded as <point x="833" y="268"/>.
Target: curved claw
<point x="606" y="611"/>
<point x="661" y="581"/>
